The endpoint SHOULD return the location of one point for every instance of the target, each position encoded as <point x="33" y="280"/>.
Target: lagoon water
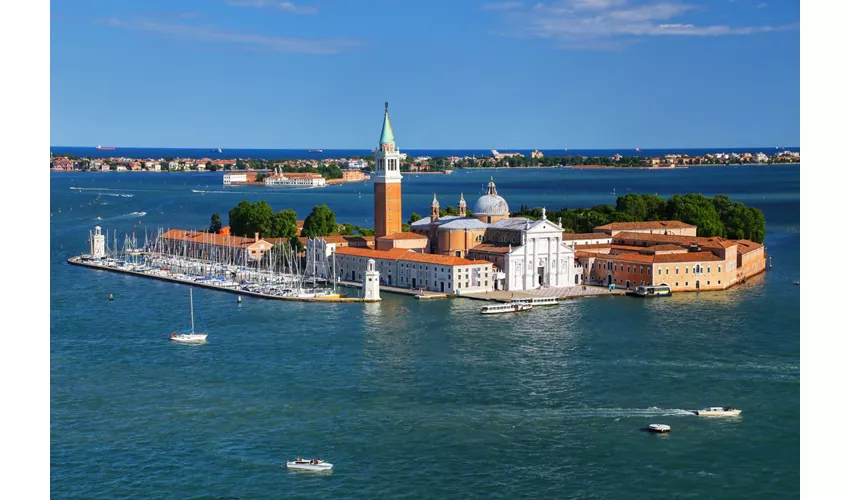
<point x="419" y="399"/>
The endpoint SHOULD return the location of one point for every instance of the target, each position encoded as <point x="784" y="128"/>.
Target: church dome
<point x="491" y="204"/>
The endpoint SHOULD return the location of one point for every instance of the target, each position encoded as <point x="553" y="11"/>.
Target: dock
<point x="560" y="293"/>
<point x="77" y="261"/>
<point x="422" y="294"/>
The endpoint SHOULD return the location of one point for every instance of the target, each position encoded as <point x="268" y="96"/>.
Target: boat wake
<point x="136" y="214"/>
<point x="652" y="411"/>
<point x="101" y="192"/>
<point x="289" y="188"/>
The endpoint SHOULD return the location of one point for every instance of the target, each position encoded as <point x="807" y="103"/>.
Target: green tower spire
<point x="387" y="131"/>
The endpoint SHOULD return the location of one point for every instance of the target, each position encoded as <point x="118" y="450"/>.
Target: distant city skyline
<point x="576" y="74"/>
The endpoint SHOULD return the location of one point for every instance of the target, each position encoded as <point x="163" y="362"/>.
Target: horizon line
<point x="433" y="148"/>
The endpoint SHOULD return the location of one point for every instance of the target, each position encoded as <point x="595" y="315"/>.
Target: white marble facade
<point x="542" y="259"/>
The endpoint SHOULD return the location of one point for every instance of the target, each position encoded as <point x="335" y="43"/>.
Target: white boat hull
<point x="659" y="427"/>
<point x="189" y="338"/>
<point x="322" y="466"/>
<point x="716" y="413"/>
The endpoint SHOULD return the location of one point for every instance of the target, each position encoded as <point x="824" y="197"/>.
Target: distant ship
<point x="637" y="149"/>
<point x="106" y="148"/>
<point x="215" y="150"/>
<point x="314" y="150"/>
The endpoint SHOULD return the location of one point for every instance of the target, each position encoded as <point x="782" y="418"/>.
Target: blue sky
<point x="457" y="74"/>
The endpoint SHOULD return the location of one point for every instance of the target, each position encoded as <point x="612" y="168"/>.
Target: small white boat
<point x="314" y="465"/>
<point x="506" y="308"/>
<point x="718" y="411"/>
<point x="659" y="427"/>
<point x="189" y="336"/>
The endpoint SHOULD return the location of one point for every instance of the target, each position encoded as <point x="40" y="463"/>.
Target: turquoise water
<point x="419" y="399"/>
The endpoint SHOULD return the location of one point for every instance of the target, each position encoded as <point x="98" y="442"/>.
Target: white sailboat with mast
<point x="189" y="336"/>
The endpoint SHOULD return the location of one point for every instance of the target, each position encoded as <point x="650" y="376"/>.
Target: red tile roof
<point x="391" y="254"/>
<point x="407" y="255"/>
<point x="221" y="240"/>
<point x="657" y="224"/>
<point x="403" y="236"/>
<point x="747" y="246"/>
<point x="445" y="260"/>
<point x="490" y="248"/>
<point x="686" y="257"/>
<point x="708" y="242"/>
<point x="656" y="258"/>
<point x="585" y="236"/>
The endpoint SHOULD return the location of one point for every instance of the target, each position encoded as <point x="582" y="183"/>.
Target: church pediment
<point x="544" y="226"/>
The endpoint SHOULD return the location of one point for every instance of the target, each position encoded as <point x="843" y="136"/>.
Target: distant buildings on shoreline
<point x="418" y="164"/>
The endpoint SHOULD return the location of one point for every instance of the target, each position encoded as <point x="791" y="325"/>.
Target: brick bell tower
<point x="388" y="216"/>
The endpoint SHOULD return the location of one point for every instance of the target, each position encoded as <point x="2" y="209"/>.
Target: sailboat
<point x="189" y="336"/>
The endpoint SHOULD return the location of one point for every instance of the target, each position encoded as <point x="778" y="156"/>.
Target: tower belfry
<point x="387" y="191"/>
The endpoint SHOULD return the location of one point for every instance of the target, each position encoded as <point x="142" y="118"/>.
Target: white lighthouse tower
<point x="98" y="244"/>
<point x="371" y="282"/>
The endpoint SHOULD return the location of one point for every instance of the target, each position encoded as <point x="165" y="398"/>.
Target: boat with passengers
<point x="506" y="308"/>
<point x="651" y="291"/>
<point x="537" y="301"/>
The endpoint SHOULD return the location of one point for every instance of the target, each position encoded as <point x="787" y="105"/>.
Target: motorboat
<point x="651" y="291"/>
<point x="506" y="308"/>
<point x="313" y="464"/>
<point x="659" y="427"/>
<point x="189" y="336"/>
<point x="718" y="411"/>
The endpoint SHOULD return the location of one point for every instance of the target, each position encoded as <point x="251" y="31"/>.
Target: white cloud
<point x="252" y="40"/>
<point x="284" y="6"/>
<point x="610" y="24"/>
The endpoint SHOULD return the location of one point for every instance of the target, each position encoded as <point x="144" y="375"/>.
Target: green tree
<point x="283" y="224"/>
<point x="655" y="206"/>
<point x="215" y="223"/>
<point x="362" y="231"/>
<point x="413" y="218"/>
<point x="696" y="209"/>
<point x="320" y="222"/>
<point x="249" y="218"/>
<point x="347" y="229"/>
<point x="633" y="205"/>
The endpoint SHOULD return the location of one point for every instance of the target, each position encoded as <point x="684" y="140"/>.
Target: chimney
<point x="256" y="237"/>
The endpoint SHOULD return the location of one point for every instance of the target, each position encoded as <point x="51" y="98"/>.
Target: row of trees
<point x="717" y="216"/>
<point x="248" y="218"/>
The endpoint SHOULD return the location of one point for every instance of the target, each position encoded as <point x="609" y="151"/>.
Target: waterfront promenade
<point x="560" y="293"/>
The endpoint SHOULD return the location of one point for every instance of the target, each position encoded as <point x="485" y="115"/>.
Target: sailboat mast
<point x="192" y="310"/>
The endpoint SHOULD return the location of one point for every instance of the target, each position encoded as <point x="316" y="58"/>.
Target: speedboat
<point x="659" y="427"/>
<point x="314" y="465"/>
<point x="718" y="411"/>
